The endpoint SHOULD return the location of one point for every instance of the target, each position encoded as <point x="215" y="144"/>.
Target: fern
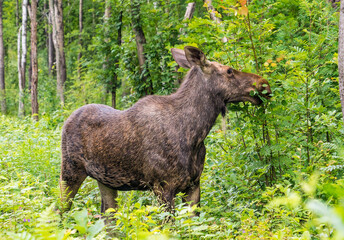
<point x="332" y="168"/>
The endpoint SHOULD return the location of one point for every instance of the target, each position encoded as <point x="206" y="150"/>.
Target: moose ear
<point x="179" y="57"/>
<point x="195" y="56"/>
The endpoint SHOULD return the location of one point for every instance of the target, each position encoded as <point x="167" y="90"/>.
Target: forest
<point x="273" y="171"/>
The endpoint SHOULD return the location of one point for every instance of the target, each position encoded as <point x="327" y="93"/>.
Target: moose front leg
<point x="193" y="193"/>
<point x="108" y="196"/>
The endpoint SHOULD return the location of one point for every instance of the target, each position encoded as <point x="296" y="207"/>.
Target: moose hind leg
<point x="108" y="196"/>
<point x="166" y="197"/>
<point x="193" y="196"/>
<point x="70" y="182"/>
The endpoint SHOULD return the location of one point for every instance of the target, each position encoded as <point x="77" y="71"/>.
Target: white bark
<point x="23" y="39"/>
<point x="55" y="8"/>
<point x="20" y="77"/>
<point x="22" y="51"/>
<point x="18" y="54"/>
<point x="189" y="10"/>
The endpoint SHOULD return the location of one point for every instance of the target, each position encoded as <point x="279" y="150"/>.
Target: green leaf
<point x="81" y="220"/>
<point x="95" y="229"/>
<point x="327" y="214"/>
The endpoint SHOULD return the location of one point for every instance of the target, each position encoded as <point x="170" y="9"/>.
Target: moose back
<point x="158" y="143"/>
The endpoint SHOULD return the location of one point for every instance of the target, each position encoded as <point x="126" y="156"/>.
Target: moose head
<point x="229" y="84"/>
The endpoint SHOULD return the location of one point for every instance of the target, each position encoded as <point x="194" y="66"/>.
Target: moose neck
<point x="198" y="104"/>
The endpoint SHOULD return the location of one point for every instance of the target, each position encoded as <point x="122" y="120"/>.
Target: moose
<point x="158" y="143"/>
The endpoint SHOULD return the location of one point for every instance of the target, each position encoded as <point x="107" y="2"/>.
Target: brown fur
<point x="157" y="144"/>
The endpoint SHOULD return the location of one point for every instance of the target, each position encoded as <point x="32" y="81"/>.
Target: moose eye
<point x="229" y="71"/>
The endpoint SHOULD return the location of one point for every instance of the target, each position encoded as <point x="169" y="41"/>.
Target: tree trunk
<point x="2" y="66"/>
<point x="190" y="9"/>
<point x="140" y="42"/>
<point x="212" y="12"/>
<point x="115" y="77"/>
<point x="34" y="77"/>
<point x="17" y="13"/>
<point x="22" y="51"/>
<point x="29" y="71"/>
<point x="56" y="11"/>
<point x="106" y="63"/>
<point x="341" y="54"/>
<point x="60" y="37"/>
<point x="51" y="50"/>
<point x="80" y="38"/>
<point x="50" y="43"/>
<point x="113" y="83"/>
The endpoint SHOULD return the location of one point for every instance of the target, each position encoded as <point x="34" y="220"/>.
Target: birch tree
<point x="34" y="76"/>
<point x="22" y="51"/>
<point x="56" y="11"/>
<point x="50" y="43"/>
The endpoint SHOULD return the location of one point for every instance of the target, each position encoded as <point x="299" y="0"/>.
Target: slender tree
<point x="341" y="55"/>
<point x="34" y="77"/>
<point x="22" y="51"/>
<point x="190" y="8"/>
<point x="56" y="11"/>
<point x="49" y="41"/>
<point x="2" y="66"/>
<point x="140" y="43"/>
<point x="106" y="63"/>
<point x="80" y="37"/>
<point x="115" y="77"/>
<point x="106" y="66"/>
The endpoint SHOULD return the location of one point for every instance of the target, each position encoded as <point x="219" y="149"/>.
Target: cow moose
<point x="158" y="143"/>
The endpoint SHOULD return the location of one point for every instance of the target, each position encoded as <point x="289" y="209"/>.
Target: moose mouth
<point x="256" y="100"/>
